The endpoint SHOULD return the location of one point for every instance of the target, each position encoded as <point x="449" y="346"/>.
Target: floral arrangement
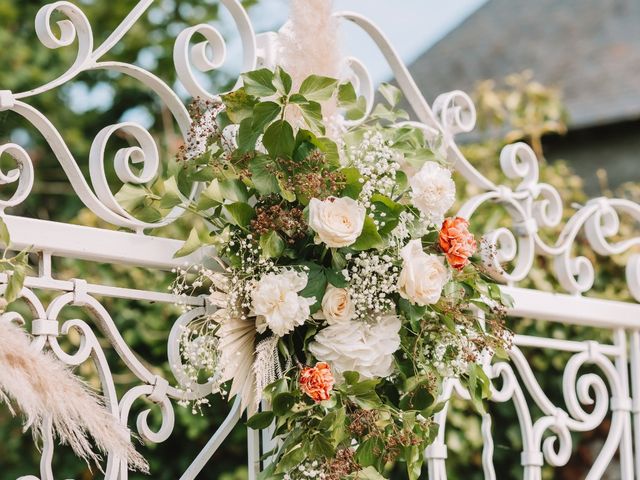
<point x="344" y="295"/>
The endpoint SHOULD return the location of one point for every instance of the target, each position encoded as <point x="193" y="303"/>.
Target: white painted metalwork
<point x="532" y="206"/>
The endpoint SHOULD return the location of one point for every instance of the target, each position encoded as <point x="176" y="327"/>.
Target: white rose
<point x="359" y="347"/>
<point x="337" y="222"/>
<point x="275" y="301"/>
<point x="423" y="276"/>
<point x="433" y="191"/>
<point x="337" y="306"/>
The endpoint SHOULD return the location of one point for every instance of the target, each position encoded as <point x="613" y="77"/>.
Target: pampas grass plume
<point x="43" y="389"/>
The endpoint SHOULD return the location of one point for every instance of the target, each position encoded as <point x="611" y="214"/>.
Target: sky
<point x="412" y="25"/>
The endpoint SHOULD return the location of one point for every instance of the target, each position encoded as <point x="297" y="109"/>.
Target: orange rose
<point x="457" y="243"/>
<point x="317" y="381"/>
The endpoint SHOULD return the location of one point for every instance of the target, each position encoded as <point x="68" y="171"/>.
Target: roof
<point x="588" y="48"/>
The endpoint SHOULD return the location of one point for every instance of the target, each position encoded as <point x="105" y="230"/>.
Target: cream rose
<point x="276" y="302"/>
<point x="359" y="346"/>
<point x="423" y="276"/>
<point x="337" y="306"/>
<point x="337" y="222"/>
<point x="433" y="191"/>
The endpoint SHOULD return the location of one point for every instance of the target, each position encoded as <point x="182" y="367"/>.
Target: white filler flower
<point x="433" y="191"/>
<point x="337" y="306"/>
<point x="360" y="347"/>
<point x="338" y="222"/>
<point x="423" y="276"/>
<point x="275" y="300"/>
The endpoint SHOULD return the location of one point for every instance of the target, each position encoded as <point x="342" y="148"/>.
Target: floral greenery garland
<point x="345" y="297"/>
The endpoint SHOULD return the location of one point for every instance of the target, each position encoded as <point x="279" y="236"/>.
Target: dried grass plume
<point x="43" y="388"/>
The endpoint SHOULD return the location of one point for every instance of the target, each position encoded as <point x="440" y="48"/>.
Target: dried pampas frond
<point x="237" y="346"/>
<point x="266" y="366"/>
<point x="43" y="389"/>
<point x="309" y="45"/>
<point x="309" y="41"/>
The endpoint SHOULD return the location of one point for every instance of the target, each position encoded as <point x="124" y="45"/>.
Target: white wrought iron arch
<point x="531" y="205"/>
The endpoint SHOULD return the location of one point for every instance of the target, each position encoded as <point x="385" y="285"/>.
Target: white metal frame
<point x="532" y="206"/>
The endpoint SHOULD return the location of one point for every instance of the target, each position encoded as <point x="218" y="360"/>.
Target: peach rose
<point x="317" y="381"/>
<point x="457" y="243"/>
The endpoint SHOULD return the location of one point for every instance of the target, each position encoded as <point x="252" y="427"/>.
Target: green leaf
<point x="370" y="453"/>
<point x="336" y="278"/>
<point x="279" y="140"/>
<point x="321" y="447"/>
<point x="318" y="88"/>
<point x="391" y="94"/>
<point x="242" y="213"/>
<point x="351" y="378"/>
<point x="234" y="190"/>
<point x="413" y="313"/>
<point x="347" y="97"/>
<point x="386" y="211"/>
<point x="353" y="187"/>
<point x="130" y="197"/>
<point x="260" y="420"/>
<point x="192" y="243"/>
<point x="312" y="114"/>
<point x="263" y="176"/>
<point x="259" y="82"/>
<point x="263" y="114"/>
<point x="15" y="281"/>
<point x="238" y="105"/>
<point x="367" y="401"/>
<point x="271" y="245"/>
<point x="316" y="285"/>
<point x="282" y="403"/>
<point x="369" y="473"/>
<point x="358" y="110"/>
<point x="291" y="459"/>
<point x="5" y="237"/>
<point x="172" y="196"/>
<point x="369" y="238"/>
<point x="282" y="81"/>
<point x="210" y="197"/>
<point x="247" y="137"/>
<point x="419" y="398"/>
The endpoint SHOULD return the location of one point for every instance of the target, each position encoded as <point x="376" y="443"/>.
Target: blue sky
<point x="411" y="25"/>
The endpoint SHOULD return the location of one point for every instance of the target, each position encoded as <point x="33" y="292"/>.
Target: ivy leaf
<point x="358" y="110"/>
<point x="242" y="213"/>
<point x="391" y="94"/>
<point x="352" y="187"/>
<point x="172" y="196"/>
<point x="282" y="81"/>
<point x="263" y="114"/>
<point x="260" y="420"/>
<point x="318" y="88"/>
<point x="369" y="238"/>
<point x="259" y="82"/>
<point x="262" y="176"/>
<point x="16" y="279"/>
<point x="336" y="278"/>
<point x="312" y="114"/>
<point x="291" y="459"/>
<point x="210" y="197"/>
<point x="347" y="96"/>
<point x="192" y="244"/>
<point x="370" y="452"/>
<point x="130" y="197"/>
<point x="5" y="237"/>
<point x="316" y="285"/>
<point x="272" y="245"/>
<point x="234" y="190"/>
<point x="369" y="473"/>
<point x="321" y="447"/>
<point x="279" y="140"/>
<point x="247" y="136"/>
<point x="238" y="104"/>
